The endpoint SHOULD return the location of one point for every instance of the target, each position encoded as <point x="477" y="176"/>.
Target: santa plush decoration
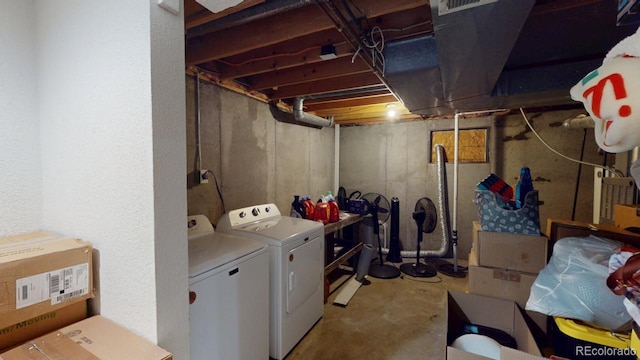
<point x="611" y="95"/>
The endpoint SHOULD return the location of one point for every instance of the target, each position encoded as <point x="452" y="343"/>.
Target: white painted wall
<point x="169" y="181"/>
<point x="95" y="98"/>
<point x="20" y="166"/>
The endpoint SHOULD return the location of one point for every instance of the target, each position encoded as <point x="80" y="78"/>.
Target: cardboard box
<point x="626" y="215"/>
<point x="42" y="272"/>
<point x="505" y="284"/>
<point x="501" y="283"/>
<point x="42" y="324"/>
<point x="504" y="315"/>
<point x="108" y="340"/>
<point x="51" y="346"/>
<point x="525" y="253"/>
<point x="94" y="338"/>
<point x="560" y="228"/>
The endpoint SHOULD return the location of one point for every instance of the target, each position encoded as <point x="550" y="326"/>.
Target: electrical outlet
<point x="204" y="176"/>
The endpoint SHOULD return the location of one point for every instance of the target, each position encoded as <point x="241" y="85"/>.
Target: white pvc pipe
<point x="336" y="159"/>
<point x="454" y="224"/>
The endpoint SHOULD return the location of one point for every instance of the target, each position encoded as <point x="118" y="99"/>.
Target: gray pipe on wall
<point x="301" y="116"/>
<point x="443" y="209"/>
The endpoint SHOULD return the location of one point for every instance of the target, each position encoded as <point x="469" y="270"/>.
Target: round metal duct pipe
<point x="306" y="118"/>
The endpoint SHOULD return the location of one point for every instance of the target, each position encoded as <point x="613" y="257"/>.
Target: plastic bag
<point x="573" y="284"/>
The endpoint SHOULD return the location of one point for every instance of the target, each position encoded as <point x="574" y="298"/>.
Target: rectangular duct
<point x="449" y="6"/>
<point x="411" y="68"/>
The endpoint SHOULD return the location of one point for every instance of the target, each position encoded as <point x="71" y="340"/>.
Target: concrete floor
<point x="395" y="319"/>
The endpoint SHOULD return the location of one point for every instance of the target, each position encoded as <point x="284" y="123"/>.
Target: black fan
<point x="382" y="209"/>
<point x="378" y="207"/>
<point x="426" y="217"/>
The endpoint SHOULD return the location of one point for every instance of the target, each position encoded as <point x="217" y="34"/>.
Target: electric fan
<point x="378" y="207"/>
<point x="425" y="216"/>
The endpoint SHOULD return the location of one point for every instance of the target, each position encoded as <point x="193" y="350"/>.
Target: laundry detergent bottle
<point x="310" y="208"/>
<point x="297" y="208"/>
<point x="334" y="211"/>
<point x="322" y="210"/>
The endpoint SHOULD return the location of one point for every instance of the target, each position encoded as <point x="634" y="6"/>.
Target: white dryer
<point x="296" y="271"/>
<point x="228" y="294"/>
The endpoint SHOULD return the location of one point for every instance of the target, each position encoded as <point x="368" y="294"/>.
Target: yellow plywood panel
<point x="472" y="146"/>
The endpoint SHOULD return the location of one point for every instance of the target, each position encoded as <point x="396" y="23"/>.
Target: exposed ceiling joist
<point x="270" y="50"/>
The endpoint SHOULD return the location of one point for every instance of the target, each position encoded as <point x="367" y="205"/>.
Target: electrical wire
<point x="198" y="159"/>
<point x="613" y="171"/>
<point x="376" y="46"/>
<point x="215" y="179"/>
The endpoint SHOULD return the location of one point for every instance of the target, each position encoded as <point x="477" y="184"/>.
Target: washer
<point x="228" y="294"/>
<point x="296" y="275"/>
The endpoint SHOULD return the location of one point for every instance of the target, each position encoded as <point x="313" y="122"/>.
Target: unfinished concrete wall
<point x="255" y="159"/>
<point x="393" y="160"/>
<point x="555" y="178"/>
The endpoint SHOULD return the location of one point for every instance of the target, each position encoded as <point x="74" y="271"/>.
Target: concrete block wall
<point x="255" y="159"/>
<point x="392" y="160"/>
<point x="554" y="177"/>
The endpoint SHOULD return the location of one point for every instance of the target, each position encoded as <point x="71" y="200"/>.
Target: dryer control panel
<point x="250" y="214"/>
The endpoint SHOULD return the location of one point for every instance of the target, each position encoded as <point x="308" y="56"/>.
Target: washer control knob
<point x="267" y="209"/>
<point x="242" y="215"/>
<point x="255" y="211"/>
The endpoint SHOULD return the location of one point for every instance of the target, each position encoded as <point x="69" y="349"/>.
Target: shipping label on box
<point x="525" y="253"/>
<point x="58" y="286"/>
<point x="40" y="273"/>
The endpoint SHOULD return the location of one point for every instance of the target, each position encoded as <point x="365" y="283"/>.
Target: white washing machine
<point x="228" y="294"/>
<point x="296" y="248"/>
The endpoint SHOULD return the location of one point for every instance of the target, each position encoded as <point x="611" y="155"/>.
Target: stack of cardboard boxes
<point x="505" y="265"/>
<point x="45" y="282"/>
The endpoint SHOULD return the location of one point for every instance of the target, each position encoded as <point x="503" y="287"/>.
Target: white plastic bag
<point x="573" y="284"/>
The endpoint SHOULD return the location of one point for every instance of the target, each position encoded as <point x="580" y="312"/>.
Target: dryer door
<point x="305" y="272"/>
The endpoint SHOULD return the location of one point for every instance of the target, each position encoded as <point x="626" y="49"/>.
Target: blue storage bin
<point x="497" y="215"/>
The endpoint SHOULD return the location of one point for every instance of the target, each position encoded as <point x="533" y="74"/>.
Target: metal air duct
<point x="301" y="116"/>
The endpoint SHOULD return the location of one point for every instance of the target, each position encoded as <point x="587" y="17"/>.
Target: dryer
<point x="296" y="269"/>
<point x="228" y="294"/>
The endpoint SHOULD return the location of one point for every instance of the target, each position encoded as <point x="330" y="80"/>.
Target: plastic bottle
<point x="334" y="211"/>
<point x="322" y="210"/>
<point x="297" y="208"/>
<point x="310" y="208"/>
<point x="524" y="185"/>
<point x="329" y="196"/>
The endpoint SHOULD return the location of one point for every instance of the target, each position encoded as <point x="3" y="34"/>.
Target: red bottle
<point x="310" y="208"/>
<point x="334" y="211"/>
<point x="322" y="212"/>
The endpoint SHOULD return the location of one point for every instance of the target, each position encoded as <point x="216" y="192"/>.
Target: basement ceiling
<point x="353" y="59"/>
